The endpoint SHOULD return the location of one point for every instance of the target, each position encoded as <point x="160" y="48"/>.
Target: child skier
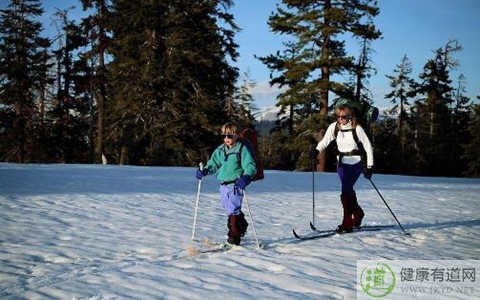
<point x="350" y="138"/>
<point x="235" y="167"/>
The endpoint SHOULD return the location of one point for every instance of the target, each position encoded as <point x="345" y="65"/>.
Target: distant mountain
<point x="266" y="118"/>
<point x="267" y="113"/>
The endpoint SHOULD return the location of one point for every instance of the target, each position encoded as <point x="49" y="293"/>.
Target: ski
<point x="320" y="231"/>
<point x="362" y="228"/>
<point x="221" y="247"/>
<point x="323" y="234"/>
<point x="326" y="233"/>
<point x="209" y="247"/>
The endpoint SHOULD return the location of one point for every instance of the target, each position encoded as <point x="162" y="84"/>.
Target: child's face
<point x="229" y="139"/>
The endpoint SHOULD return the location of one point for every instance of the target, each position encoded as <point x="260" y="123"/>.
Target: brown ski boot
<point x="347" y="223"/>
<point x="358" y="213"/>
<point x="233" y="230"/>
<point x="242" y="224"/>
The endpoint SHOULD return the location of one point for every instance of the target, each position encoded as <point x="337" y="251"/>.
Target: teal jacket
<point x="229" y="164"/>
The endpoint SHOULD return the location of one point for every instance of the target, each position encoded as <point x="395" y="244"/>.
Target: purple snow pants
<point x="231" y="199"/>
<point x="348" y="176"/>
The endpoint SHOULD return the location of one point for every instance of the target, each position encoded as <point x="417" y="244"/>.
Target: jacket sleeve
<point x="214" y="163"/>
<point x="248" y="162"/>
<point x="327" y="138"/>
<point x="362" y="136"/>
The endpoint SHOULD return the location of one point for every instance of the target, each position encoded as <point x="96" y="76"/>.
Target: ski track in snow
<point x="109" y="232"/>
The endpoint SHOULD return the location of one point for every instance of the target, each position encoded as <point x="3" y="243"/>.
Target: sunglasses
<point x="344" y="117"/>
<point x="228" y="136"/>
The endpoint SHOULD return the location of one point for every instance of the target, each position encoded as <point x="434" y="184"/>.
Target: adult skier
<point x="350" y="138"/>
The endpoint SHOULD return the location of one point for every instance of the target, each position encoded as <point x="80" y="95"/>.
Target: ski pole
<point x="251" y="219"/>
<point x="200" y="165"/>
<point x="313" y="194"/>
<point x="386" y="204"/>
<point x="313" y="161"/>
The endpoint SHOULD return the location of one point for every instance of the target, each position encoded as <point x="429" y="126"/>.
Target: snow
<point x="114" y="232"/>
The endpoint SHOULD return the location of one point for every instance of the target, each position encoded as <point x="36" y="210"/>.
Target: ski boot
<point x="341" y="229"/>
<point x="347" y="223"/>
<point x="233" y="230"/>
<point x="358" y="213"/>
<point x="242" y="224"/>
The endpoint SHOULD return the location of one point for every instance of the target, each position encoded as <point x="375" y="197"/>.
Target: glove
<point x="368" y="172"/>
<point x="242" y="182"/>
<point x="314" y="153"/>
<point x="201" y="173"/>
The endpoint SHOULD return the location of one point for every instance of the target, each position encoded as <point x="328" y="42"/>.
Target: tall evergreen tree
<point x="357" y="88"/>
<point x="363" y="71"/>
<point x="42" y="123"/>
<point x="402" y="88"/>
<point x="21" y="64"/>
<point x="459" y="128"/>
<point x="471" y="145"/>
<point x="170" y="70"/>
<point x="44" y="78"/>
<point x="96" y="28"/>
<point x="243" y="103"/>
<point x="199" y="68"/>
<point x="432" y="111"/>
<point x="289" y="76"/>
<point x="316" y="29"/>
<point x="71" y="108"/>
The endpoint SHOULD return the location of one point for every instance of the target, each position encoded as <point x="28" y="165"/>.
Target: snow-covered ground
<point x="104" y="232"/>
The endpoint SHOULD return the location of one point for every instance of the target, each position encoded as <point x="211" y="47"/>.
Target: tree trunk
<point x="124" y="155"/>
<point x="100" y="113"/>
<point x="19" y="129"/>
<point x="290" y="120"/>
<point x="325" y="79"/>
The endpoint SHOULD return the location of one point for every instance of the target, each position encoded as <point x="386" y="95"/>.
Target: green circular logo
<point x="377" y="280"/>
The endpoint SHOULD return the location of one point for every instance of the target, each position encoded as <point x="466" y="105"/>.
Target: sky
<point x="412" y="27"/>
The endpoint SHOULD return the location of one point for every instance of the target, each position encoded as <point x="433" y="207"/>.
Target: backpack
<point x="361" y="150"/>
<point x="248" y="138"/>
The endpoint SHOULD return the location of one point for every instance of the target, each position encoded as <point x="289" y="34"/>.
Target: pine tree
<point x="95" y="27"/>
<point x="356" y="90"/>
<point x="462" y="109"/>
<point x="471" y="146"/>
<point x="71" y="108"/>
<point x="402" y="85"/>
<point x="317" y="51"/>
<point x="432" y="111"/>
<point x="364" y="69"/>
<point x="170" y="78"/>
<point x="136" y="49"/>
<point x="21" y="63"/>
<point x="40" y="150"/>
<point x="44" y="78"/>
<point x="203" y="43"/>
<point x="243" y="107"/>
<point x="292" y="77"/>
